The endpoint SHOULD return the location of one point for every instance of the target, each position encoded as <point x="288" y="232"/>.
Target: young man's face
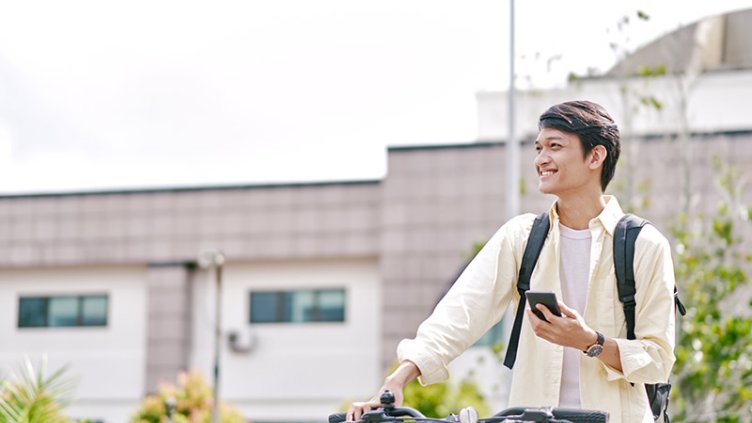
<point x="562" y="169"/>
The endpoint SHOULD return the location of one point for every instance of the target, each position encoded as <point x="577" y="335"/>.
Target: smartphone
<point x="548" y="299"/>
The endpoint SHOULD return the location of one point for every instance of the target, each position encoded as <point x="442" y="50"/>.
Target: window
<point x="62" y="311"/>
<point x="300" y="306"/>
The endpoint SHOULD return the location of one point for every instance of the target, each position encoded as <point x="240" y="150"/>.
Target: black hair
<point x="593" y="126"/>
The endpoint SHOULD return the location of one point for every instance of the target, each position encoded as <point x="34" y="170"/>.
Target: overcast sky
<point x="99" y="95"/>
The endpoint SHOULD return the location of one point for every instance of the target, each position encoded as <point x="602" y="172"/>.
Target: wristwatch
<point x="597" y="348"/>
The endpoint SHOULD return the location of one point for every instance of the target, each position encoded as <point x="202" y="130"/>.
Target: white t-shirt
<point x="574" y="272"/>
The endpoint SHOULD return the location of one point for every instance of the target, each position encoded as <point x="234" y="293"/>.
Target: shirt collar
<point x="608" y="217"/>
<point x="611" y="214"/>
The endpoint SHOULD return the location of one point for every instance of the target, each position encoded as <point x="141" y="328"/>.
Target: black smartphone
<point x="548" y="299"/>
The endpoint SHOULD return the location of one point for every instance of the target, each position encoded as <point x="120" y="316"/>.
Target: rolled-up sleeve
<point x="650" y="357"/>
<point x="476" y="301"/>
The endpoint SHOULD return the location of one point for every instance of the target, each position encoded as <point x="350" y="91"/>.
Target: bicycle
<point x="388" y="413"/>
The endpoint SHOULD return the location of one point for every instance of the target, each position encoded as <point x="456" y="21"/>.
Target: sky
<point x="151" y="94"/>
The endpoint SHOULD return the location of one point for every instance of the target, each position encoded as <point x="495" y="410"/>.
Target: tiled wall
<point x="326" y="220"/>
<point x="168" y="329"/>
<point x="436" y="204"/>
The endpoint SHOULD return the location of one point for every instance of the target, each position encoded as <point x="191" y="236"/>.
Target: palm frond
<point x="33" y="397"/>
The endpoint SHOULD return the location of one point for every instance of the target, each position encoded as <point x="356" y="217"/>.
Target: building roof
<point x="192" y="188"/>
<point x="714" y="43"/>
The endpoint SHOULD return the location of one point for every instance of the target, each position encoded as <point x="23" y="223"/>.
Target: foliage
<point x="441" y="399"/>
<point x="647" y="71"/>
<point x="713" y="372"/>
<point x="190" y="401"/>
<point x="32" y="397"/>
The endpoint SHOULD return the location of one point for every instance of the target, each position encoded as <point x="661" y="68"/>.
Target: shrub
<point x="190" y="401"/>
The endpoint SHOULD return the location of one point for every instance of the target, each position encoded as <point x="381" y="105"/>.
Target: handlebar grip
<point x="405" y="412"/>
<point x="337" y="417"/>
<point x="395" y="412"/>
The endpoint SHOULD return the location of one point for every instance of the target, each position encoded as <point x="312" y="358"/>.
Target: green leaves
<point x="441" y="399"/>
<point x="651" y="71"/>
<point x="32" y="397"/>
<point x="713" y="371"/>
<point x="651" y="101"/>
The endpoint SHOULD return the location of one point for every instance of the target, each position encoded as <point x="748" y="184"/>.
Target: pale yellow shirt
<point x="482" y="293"/>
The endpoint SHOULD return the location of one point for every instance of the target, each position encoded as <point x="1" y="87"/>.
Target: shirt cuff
<point x="432" y="370"/>
<point x="633" y="358"/>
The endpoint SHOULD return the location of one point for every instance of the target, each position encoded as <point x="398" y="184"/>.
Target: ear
<point x="597" y="157"/>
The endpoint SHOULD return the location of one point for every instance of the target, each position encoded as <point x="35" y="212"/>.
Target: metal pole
<point x="513" y="158"/>
<point x="513" y="146"/>
<point x="218" y="261"/>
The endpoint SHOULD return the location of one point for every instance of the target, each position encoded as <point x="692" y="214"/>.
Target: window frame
<point x="80" y="317"/>
<point x="281" y="313"/>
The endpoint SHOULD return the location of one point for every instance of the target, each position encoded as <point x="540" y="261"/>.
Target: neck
<point x="577" y="212"/>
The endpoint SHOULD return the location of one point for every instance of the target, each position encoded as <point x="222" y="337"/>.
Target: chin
<point x="545" y="189"/>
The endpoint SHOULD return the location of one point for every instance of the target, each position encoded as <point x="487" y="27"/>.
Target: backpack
<point x="625" y="236"/>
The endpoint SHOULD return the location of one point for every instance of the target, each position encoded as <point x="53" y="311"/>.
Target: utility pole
<point x="513" y="146"/>
<point x="513" y="159"/>
<point x="216" y="260"/>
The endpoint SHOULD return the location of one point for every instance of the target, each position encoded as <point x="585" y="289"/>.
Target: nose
<point x="541" y="158"/>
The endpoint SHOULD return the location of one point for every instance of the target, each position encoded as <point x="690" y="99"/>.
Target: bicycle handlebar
<point x="388" y="413"/>
<point x="380" y="415"/>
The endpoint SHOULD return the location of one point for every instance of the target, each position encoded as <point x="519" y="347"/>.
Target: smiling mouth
<point x="547" y="172"/>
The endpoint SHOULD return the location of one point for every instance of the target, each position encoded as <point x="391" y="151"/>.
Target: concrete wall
<point x="294" y="371"/>
<point x="715" y="102"/>
<point x="107" y="363"/>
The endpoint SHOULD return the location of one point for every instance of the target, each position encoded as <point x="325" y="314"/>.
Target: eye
<point x="555" y="146"/>
<point x="538" y="148"/>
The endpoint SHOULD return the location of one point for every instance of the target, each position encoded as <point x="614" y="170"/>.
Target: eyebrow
<point x="550" y="138"/>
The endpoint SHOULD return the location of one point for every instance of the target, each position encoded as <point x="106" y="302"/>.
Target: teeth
<point x="547" y="173"/>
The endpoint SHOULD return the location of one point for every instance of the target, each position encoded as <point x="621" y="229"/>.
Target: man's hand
<point x="396" y="382"/>
<point x="569" y="330"/>
<point x="357" y="409"/>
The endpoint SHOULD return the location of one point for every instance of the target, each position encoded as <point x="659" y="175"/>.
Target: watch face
<point x="594" y="350"/>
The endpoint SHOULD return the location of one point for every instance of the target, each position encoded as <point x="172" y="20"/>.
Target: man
<point x="577" y="150"/>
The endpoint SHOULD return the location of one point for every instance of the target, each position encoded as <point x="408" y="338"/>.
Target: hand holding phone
<point x="548" y="299"/>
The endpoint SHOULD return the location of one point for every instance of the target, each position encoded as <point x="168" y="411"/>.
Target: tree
<point x="713" y="372"/>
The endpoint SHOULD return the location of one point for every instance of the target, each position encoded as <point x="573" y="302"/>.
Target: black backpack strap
<point x="625" y="236"/>
<point x="677" y="302"/>
<point x="535" y="241"/>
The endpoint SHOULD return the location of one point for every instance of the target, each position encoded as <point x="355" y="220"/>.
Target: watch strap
<point x="599" y="341"/>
